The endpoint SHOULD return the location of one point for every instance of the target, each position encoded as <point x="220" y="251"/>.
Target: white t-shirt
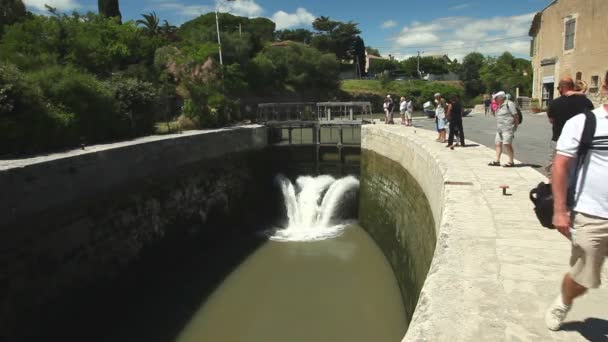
<point x="402" y="105"/>
<point x="592" y="182"/>
<point x="410" y="106"/>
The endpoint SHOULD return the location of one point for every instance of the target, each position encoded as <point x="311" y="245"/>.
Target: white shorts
<point x="504" y="137"/>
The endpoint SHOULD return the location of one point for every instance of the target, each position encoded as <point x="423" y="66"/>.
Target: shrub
<point x="91" y="101"/>
<point x="28" y="123"/>
<point x="138" y="101"/>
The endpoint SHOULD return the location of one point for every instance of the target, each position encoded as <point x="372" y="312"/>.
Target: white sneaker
<point x="556" y="314"/>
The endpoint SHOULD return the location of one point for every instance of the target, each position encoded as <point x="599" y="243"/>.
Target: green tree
<point x="336" y="37"/>
<point x="325" y="24"/>
<point x="359" y="55"/>
<point x="378" y="66"/>
<point x="98" y="44"/>
<point x="109" y="8"/>
<point x="11" y="11"/>
<point x="297" y="35"/>
<point x="507" y="73"/>
<point x="295" y="67"/>
<point x="471" y="65"/>
<point x="150" y="23"/>
<point x="372" y="51"/>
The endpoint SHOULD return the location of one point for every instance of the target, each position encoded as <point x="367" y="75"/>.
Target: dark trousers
<point x="456" y="127"/>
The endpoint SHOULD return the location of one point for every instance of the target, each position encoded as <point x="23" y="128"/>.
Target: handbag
<point x="542" y="194"/>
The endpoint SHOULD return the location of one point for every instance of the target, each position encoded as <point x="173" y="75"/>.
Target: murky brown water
<point x="341" y="289"/>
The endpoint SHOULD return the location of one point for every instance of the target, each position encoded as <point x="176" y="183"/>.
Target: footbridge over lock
<point x="331" y="129"/>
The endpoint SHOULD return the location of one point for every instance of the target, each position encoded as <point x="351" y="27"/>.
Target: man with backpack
<point x="582" y="146"/>
<point x="507" y="120"/>
<point x="563" y="109"/>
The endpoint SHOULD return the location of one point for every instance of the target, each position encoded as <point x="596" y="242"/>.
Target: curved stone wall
<point x="394" y="210"/>
<point x="493" y="263"/>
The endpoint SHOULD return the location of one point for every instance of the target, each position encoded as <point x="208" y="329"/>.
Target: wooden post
<point x="351" y="114"/>
<point x="290" y="129"/>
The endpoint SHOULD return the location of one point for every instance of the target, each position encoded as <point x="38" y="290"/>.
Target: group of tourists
<point x="449" y="116"/>
<point x="406" y="109"/>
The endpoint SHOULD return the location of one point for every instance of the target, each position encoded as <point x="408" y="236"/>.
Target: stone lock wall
<point x="75" y="219"/>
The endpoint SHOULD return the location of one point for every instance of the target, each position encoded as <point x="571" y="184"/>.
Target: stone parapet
<point x="33" y="185"/>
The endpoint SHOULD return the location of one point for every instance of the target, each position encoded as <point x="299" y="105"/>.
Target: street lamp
<point x="217" y="24"/>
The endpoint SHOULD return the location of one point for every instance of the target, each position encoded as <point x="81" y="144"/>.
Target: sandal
<point x="509" y="165"/>
<point x="494" y="163"/>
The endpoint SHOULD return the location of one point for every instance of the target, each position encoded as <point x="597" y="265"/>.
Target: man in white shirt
<point x="409" y="111"/>
<point x="587" y="224"/>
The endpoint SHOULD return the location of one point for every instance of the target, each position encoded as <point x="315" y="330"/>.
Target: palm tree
<point x="151" y="23"/>
<point x="167" y="28"/>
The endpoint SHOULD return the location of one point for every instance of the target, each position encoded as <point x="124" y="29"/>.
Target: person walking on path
<point x="563" y="109"/>
<point x="386" y="106"/>
<point x="587" y="225"/>
<point x="402" y="110"/>
<point x="391" y="107"/>
<point x="455" y="118"/>
<point x="506" y="125"/>
<point x="494" y="106"/>
<point x="409" y="111"/>
<point x="486" y="104"/>
<point x="440" y="111"/>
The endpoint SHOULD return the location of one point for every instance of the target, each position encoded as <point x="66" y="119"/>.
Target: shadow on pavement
<point x="593" y="329"/>
<point x="534" y="166"/>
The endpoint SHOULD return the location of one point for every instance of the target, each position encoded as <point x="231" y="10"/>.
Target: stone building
<point x="569" y="38"/>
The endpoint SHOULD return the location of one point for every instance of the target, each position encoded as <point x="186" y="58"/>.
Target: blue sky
<point x="397" y="27"/>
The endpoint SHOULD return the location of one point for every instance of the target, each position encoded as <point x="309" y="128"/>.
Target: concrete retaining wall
<point x="31" y="186"/>
<point x="80" y="218"/>
<point x="393" y="209"/>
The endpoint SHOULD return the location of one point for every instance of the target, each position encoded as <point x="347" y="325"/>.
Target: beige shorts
<point x="504" y="137"/>
<point x="589" y="249"/>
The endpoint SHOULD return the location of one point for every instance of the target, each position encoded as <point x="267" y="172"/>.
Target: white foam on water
<point x="312" y="206"/>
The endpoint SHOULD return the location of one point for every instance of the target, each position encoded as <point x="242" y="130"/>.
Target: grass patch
<point x="410" y="87"/>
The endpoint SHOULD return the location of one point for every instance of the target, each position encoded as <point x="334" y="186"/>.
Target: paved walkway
<point x="531" y="139"/>
<point x="496" y="269"/>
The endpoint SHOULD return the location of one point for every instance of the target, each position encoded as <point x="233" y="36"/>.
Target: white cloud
<point x="244" y="8"/>
<point x="185" y="10"/>
<point x="388" y="24"/>
<point x="62" y="5"/>
<point x="457" y="36"/>
<point x="286" y="20"/>
<point x="459" y="7"/>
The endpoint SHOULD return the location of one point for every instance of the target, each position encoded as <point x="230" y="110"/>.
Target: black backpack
<point x="518" y="115"/>
<point x="542" y="195"/>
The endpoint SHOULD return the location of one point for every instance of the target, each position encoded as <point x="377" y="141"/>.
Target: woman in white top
<point x="387" y="112"/>
<point x="402" y="110"/>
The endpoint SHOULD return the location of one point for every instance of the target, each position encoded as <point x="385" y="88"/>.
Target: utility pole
<point x="219" y="40"/>
<point x="418" y="68"/>
<point x="217" y="25"/>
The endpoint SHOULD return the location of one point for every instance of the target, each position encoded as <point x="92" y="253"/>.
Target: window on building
<point x="595" y="84"/>
<point x="579" y="76"/>
<point x="570" y="31"/>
